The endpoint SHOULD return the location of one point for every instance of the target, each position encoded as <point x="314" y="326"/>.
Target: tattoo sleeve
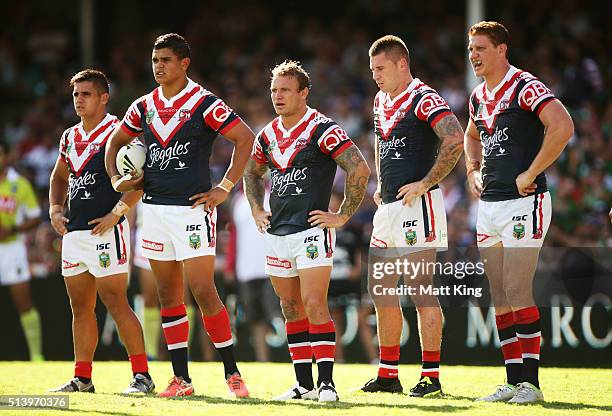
<point x="254" y="186"/>
<point x="451" y="136"/>
<point x="357" y="175"/>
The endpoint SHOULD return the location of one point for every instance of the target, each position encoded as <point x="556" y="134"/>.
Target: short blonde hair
<point x="291" y="68"/>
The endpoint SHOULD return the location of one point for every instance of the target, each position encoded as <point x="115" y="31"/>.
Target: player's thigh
<point x="169" y="279"/>
<point x="200" y="272"/>
<point x="82" y="292"/>
<point x="314" y="285"/>
<point x="113" y="289"/>
<point x="22" y="296"/>
<point x="520" y="264"/>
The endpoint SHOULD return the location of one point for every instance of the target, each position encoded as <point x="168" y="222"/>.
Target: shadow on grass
<point x="308" y="404"/>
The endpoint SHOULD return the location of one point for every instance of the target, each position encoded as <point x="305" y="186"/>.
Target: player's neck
<point x="290" y="121"/>
<point x="495" y="77"/>
<point x="172" y="89"/>
<point x="401" y="87"/>
<point x="90" y="123"/>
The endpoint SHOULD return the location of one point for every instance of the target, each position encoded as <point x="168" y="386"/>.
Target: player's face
<point x="385" y="72"/>
<point x="484" y="55"/>
<point x="167" y="67"/>
<point x="87" y="100"/>
<point x="286" y="97"/>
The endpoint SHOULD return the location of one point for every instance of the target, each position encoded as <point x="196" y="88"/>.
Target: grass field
<point x="575" y="391"/>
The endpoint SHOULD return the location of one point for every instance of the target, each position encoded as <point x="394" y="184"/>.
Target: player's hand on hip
<point x="324" y="219"/>
<point x="410" y="192"/>
<point x="525" y="183"/>
<point x="474" y="180"/>
<point x="262" y="219"/>
<point x="209" y="199"/>
<point x="103" y="224"/>
<point x="130" y="182"/>
<point x="377" y="198"/>
<point x="58" y="222"/>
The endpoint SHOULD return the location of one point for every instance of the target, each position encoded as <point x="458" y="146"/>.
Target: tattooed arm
<point x="357" y="175"/>
<point x="255" y="191"/>
<point x="451" y="136"/>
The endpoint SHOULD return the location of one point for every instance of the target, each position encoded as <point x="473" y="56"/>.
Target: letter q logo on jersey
<point x="532" y="94"/>
<point x="221" y="112"/>
<point x="333" y="139"/>
<point x="429" y="105"/>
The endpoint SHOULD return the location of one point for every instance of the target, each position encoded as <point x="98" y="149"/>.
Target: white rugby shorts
<point x="521" y="222"/>
<point x="419" y="227"/>
<point x="101" y="255"/>
<point x="140" y="260"/>
<point x="172" y="232"/>
<point x="14" y="267"/>
<point x="286" y="254"/>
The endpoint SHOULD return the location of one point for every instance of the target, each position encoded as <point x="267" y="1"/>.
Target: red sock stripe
<point x="176" y="311"/>
<point x="391" y="353"/>
<point x="324" y="351"/>
<point x="297" y="326"/>
<point x="82" y="369"/>
<point x="300" y="353"/>
<point x="511" y="350"/>
<point x="504" y="321"/>
<point x="527" y="315"/>
<point x="139" y="363"/>
<point x="176" y="334"/>
<point x="218" y="327"/>
<point x="388" y="372"/>
<point x="530" y="345"/>
<point x="323" y="328"/>
<point x="431" y="356"/>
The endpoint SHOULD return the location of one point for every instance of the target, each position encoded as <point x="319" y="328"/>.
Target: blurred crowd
<point x="565" y="43"/>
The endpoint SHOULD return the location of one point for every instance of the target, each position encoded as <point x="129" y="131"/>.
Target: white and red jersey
<point x="301" y="161"/>
<point x="179" y="134"/>
<point x="90" y="193"/>
<point x="407" y="144"/>
<point x="510" y="131"/>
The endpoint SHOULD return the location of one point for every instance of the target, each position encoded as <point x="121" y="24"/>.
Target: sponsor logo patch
<point x="152" y="245"/>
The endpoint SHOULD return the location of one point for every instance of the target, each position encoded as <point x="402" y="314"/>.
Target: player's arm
<point x="473" y="158"/>
<point x="255" y="191"/>
<point x="105" y="223"/>
<point x="58" y="190"/>
<point x="242" y="137"/>
<point x="118" y="139"/>
<point x="558" y="129"/>
<point x="357" y="175"/>
<point x="450" y="133"/>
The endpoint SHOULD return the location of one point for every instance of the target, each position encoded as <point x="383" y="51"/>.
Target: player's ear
<point x="502" y="49"/>
<point x="104" y="97"/>
<point x="185" y="63"/>
<point x="304" y="92"/>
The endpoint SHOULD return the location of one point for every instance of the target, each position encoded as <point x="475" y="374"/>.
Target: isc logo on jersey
<point x="131" y="158"/>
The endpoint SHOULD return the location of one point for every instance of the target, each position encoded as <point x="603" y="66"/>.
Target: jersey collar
<point x="490" y="94"/>
<point x="169" y="102"/>
<point x="85" y="136"/>
<point x="287" y="133"/>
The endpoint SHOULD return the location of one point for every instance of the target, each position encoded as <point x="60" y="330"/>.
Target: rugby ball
<point x="131" y="158"/>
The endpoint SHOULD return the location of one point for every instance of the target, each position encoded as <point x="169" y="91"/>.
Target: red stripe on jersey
<point x="339" y="150"/>
<point x="128" y="131"/>
<point x="230" y="125"/>
<point x="284" y="143"/>
<point x="439" y="117"/>
<point x="165" y="143"/>
<point x="176" y="105"/>
<point x="267" y="140"/>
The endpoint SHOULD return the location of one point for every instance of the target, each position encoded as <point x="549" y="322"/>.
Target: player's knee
<point x="81" y="309"/>
<point x="292" y="309"/>
<point x="113" y="300"/>
<point x="314" y="302"/>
